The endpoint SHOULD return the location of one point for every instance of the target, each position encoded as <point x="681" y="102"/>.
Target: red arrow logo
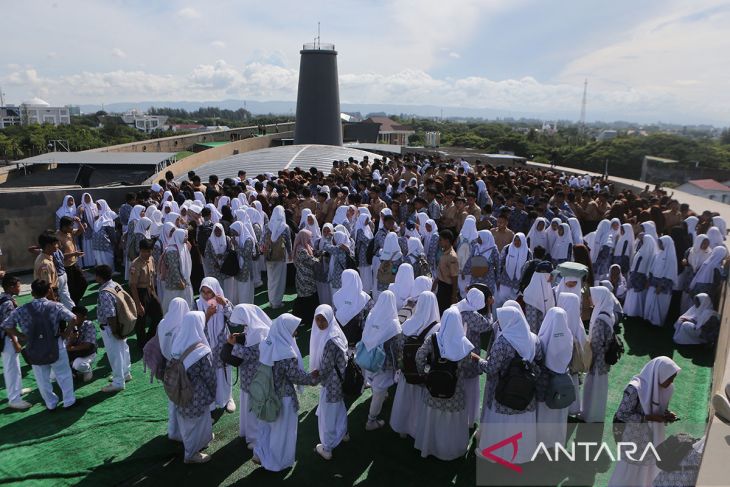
<point x="487" y="452"/>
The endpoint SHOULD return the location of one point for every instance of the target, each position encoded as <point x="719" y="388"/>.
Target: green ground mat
<point x="121" y="439"/>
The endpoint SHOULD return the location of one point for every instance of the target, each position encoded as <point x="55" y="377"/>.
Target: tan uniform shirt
<point x="448" y="267"/>
<point x="142" y="274"/>
<point x="43" y="268"/>
<point x="449" y="215"/>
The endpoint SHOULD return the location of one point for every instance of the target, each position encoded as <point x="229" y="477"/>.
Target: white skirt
<point x="173" y="428"/>
<point x="323" y="293"/>
<point x="103" y="257"/>
<point x="631" y="475"/>
<point x="259" y="269"/>
<point x="331" y="421"/>
<point x="249" y="423"/>
<point x="471" y="397"/>
<point x="595" y="395"/>
<point x="366" y="276"/>
<point x="686" y="334"/>
<point x="497" y="427"/>
<point x="239" y="292"/>
<point x="553" y="424"/>
<point x="276" y="277"/>
<point x="408" y="408"/>
<point x="276" y="445"/>
<point x="196" y="433"/>
<point x="656" y="306"/>
<point x="89" y="257"/>
<point x="170" y="294"/>
<point x="443" y="434"/>
<point x="229" y="289"/>
<point x="504" y="293"/>
<point x="634" y="303"/>
<point x="576" y="408"/>
<point x="380" y="380"/>
<point x="223" y="386"/>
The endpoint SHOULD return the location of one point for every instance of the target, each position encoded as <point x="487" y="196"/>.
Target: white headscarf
<point x="415" y="247"/>
<point x="646" y="254"/>
<point x="425" y="313"/>
<point x="692" y="222"/>
<point x="516" y="256"/>
<point x="186" y="264"/>
<point x="170" y="325"/>
<point x="665" y="262"/>
<point x="469" y="231"/>
<point x="350" y="299"/>
<point x="143" y="227"/>
<point x="277" y="224"/>
<point x="516" y="331"/>
<point x="403" y="285"/>
<point x="166" y="234"/>
<point x="218" y="243"/>
<point x="650" y="228"/>
<point x="706" y="272"/>
<point x="697" y="255"/>
<point x="280" y="343"/>
<point x="135" y="215"/>
<point x="191" y="331"/>
<point x="429" y="235"/>
<point x="314" y="227"/>
<point x="538" y="237"/>
<point x="90" y="209"/>
<point x="215" y="215"/>
<point x="156" y="217"/>
<point x="199" y="196"/>
<point x="603" y="238"/>
<point x="487" y="244"/>
<point x="453" y="343"/>
<point x="65" y="210"/>
<point x="474" y="301"/>
<point x="699" y="313"/>
<point x="420" y="285"/>
<point x="556" y="340"/>
<point x="319" y="338"/>
<point x="716" y="238"/>
<point x="539" y="292"/>
<point x="719" y="222"/>
<point x="562" y="243"/>
<point x="341" y="215"/>
<point x="575" y="230"/>
<point x="653" y="398"/>
<point x="255" y="320"/>
<point x="422" y="218"/>
<point x="625" y="243"/>
<point x="363" y="223"/>
<point x="223" y="201"/>
<point x="391" y="248"/>
<point x="382" y="322"/>
<point x="106" y="216"/>
<point x="570" y="303"/>
<point x="602" y="304"/>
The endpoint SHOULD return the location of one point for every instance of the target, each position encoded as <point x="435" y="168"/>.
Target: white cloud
<point x="118" y="53"/>
<point x="188" y="13"/>
<point x="454" y="55"/>
<point x="218" y="44"/>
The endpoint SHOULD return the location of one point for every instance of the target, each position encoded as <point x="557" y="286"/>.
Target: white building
<point x="707" y="188"/>
<point x="144" y="122"/>
<point x="9" y="115"/>
<point x="37" y="111"/>
<point x="607" y="135"/>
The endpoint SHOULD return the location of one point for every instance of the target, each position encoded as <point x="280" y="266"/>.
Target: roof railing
<point x="316" y="46"/>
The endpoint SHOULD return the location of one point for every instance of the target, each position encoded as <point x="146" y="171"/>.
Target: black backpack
<point x="615" y="347"/>
<point x="442" y="375"/>
<point x="351" y="263"/>
<point x="41" y="347"/>
<point x="673" y="450"/>
<point x="370" y="251"/>
<point x="353" y="380"/>
<point x="353" y="330"/>
<point x="410" y="348"/>
<point x="516" y="387"/>
<point x="230" y="265"/>
<point x="204" y="232"/>
<point x="3" y="300"/>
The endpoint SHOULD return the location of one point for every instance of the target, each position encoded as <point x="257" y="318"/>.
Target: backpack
<point x="386" y="274"/>
<point x="442" y="374"/>
<point x="153" y="359"/>
<point x="479" y="266"/>
<point x="353" y="380"/>
<point x="560" y="391"/>
<point x="410" y="348"/>
<point x="123" y="323"/>
<point x="516" y="387"/>
<point x="3" y="300"/>
<point x="41" y="347"/>
<point x="673" y="450"/>
<point x="230" y="265"/>
<point x="371" y="360"/>
<point x="406" y="312"/>
<point x="615" y="347"/>
<point x="277" y="249"/>
<point x="350" y="262"/>
<point x="204" y="232"/>
<point x="370" y="251"/>
<point x="263" y="400"/>
<point x="421" y="267"/>
<point x="176" y="381"/>
<point x="353" y="330"/>
<point x="582" y="358"/>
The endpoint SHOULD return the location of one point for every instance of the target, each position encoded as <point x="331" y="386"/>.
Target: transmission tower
<point x="583" y="106"/>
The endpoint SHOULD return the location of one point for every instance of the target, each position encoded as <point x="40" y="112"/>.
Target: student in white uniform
<point x="194" y="421"/>
<point x="557" y="346"/>
<point x="244" y="242"/>
<point x="444" y="427"/>
<point x="698" y="325"/>
<point x="177" y="269"/>
<point x="403" y="285"/>
<point x="571" y="304"/>
<point x="11" y="347"/>
<point x="242" y="351"/>
<point x="595" y="390"/>
<point x="276" y="443"/>
<point x="277" y="248"/>
<point x="474" y="325"/>
<point x="167" y="330"/>
<point x="662" y="280"/>
<point x="409" y="402"/>
<point x="327" y="349"/>
<point x="639" y="277"/>
<point x="217" y="311"/>
<point x="644" y="410"/>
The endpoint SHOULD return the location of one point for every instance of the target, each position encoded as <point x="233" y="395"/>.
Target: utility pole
<point x="2" y="97"/>
<point x="583" y="106"/>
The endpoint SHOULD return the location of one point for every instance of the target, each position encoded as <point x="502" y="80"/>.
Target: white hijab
<point x="474" y="301"/>
<point x="64" y="209"/>
<point x="144" y="227"/>
<point x="575" y="290"/>
<point x="170" y="325"/>
<point x="719" y="222"/>
<point x="425" y="313"/>
<point x="453" y="343"/>
<point x="391" y="248"/>
<point x="90" y="209"/>
<point x="382" y="322"/>
<point x="516" y="256"/>
<point x="280" y="343"/>
<point x="665" y="262"/>
<point x="106" y="216"/>
<point x="427" y="236"/>
<point x="650" y="228"/>
<point x="166" y="234"/>
<point x="350" y="299"/>
<point x="603" y="238"/>
<point x="576" y="231"/>
<point x="468" y="230"/>
<point x="257" y="323"/>
<point x="562" y="243"/>
<point x="403" y="285"/>
<point x="420" y="285"/>
<point x="516" y="331"/>
<point x="556" y="340"/>
<point x="716" y="238"/>
<point x="217" y="323"/>
<point x="692" y="222"/>
<point x="706" y="272"/>
<point x="697" y="255"/>
<point x="603" y="304"/>
<point x="415" y="247"/>
<point x="199" y="196"/>
<point x="625" y="243"/>
<point x="646" y="254"/>
<point x="538" y="237"/>
<point x="186" y="264"/>
<point x="570" y="303"/>
<point x="215" y="215"/>
<point x="363" y="223"/>
<point x="487" y="244"/>
<point x="539" y="293"/>
<point x="653" y="398"/>
<point x="277" y="224"/>
<point x="191" y="331"/>
<point x="218" y="243"/>
<point x="319" y="338"/>
<point x="701" y="310"/>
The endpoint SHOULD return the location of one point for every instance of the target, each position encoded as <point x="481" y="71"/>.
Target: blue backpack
<point x="371" y="360"/>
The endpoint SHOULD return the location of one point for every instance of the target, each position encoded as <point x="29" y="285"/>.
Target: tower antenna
<point x="318" y="39"/>
<point x="583" y="106"/>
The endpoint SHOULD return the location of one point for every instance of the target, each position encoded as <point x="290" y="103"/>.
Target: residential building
<point x="707" y="188"/>
<point x="37" y="111"/>
<point x="9" y="115"/>
<point x="144" y="122"/>
<point x="391" y="132"/>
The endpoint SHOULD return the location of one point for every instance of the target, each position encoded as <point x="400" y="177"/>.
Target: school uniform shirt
<point x="246" y="255"/>
<point x="448" y="267"/>
<point x="286" y="235"/>
<point x="361" y="247"/>
<point x="44" y="268"/>
<point x="305" y="264"/>
<point x="54" y="312"/>
<point x="630" y="412"/>
<point x="333" y="360"/>
<point x="142" y="274"/>
<point x="434" y="210"/>
<point x="448" y="216"/>
<point x="601" y="332"/>
<point x="287" y="374"/>
<point x="86" y="333"/>
<point x="202" y="379"/>
<point x="107" y="304"/>
<point x="173" y="276"/>
<point x="476" y="324"/>
<point x="103" y="239"/>
<point x="249" y="363"/>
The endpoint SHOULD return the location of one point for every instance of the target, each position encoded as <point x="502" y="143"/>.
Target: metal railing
<point x="316" y="46"/>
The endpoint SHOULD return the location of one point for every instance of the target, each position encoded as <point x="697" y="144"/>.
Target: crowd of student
<point x="416" y="273"/>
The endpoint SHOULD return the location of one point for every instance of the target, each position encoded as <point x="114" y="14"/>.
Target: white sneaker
<point x="231" y="406"/>
<point x="251" y="445"/>
<point x="198" y="458"/>
<point x="87" y="376"/>
<point x="111" y="388"/>
<point x="20" y="405"/>
<point x="25" y="390"/>
<point x="255" y="459"/>
<point x="374" y="424"/>
<point x="127" y="378"/>
<point x="327" y="455"/>
<point x="346" y="438"/>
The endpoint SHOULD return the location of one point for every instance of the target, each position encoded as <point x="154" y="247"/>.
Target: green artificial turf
<point x="121" y="439"/>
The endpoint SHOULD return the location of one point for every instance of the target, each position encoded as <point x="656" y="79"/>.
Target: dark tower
<point x="318" y="98"/>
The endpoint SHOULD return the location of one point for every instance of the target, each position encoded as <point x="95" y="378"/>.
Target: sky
<point x="644" y="61"/>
